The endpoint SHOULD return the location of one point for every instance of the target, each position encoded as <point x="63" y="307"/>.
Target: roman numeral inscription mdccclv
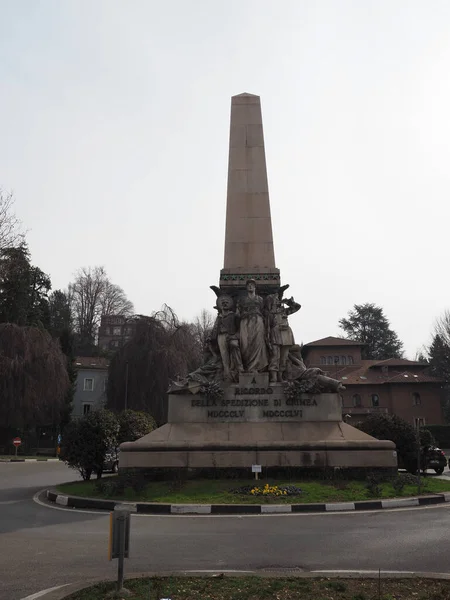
<point x="254" y="404"/>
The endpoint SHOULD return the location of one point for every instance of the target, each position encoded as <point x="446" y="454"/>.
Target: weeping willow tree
<point x="33" y="381"/>
<point x="139" y="374"/>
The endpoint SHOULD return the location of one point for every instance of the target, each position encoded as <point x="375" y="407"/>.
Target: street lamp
<point x="126" y="385"/>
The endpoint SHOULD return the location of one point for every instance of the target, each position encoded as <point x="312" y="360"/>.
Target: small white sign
<point x="256" y="468"/>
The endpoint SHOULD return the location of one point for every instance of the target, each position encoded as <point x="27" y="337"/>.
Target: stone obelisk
<point x="249" y="251"/>
<point x="216" y="422"/>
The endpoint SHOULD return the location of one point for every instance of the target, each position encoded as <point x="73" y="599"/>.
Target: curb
<point x="21" y="460"/>
<point x="149" y="508"/>
<point x="64" y="591"/>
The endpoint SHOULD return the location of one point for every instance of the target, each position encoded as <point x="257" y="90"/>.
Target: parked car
<point x="111" y="460"/>
<point x="431" y="457"/>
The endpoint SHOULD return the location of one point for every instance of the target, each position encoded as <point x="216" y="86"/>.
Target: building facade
<point x="394" y="386"/>
<point x="115" y="331"/>
<point x="90" y="390"/>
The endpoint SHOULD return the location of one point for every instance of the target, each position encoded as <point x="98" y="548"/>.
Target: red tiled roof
<point x="365" y="375"/>
<point x="333" y="341"/>
<point x="92" y="362"/>
<point x="400" y="362"/>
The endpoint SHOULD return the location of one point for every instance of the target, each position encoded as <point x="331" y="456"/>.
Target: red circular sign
<point x="17" y="441"/>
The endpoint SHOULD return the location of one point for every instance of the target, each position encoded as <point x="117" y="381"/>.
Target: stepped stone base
<point x="274" y="444"/>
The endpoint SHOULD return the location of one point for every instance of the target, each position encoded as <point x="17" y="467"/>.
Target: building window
<point x="336" y="360"/>
<point x="416" y="399"/>
<point x="356" y="400"/>
<point x="350" y="360"/>
<point x="105" y="384"/>
<point x="343" y="360"/>
<point x="375" y="400"/>
<point x="419" y="422"/>
<point x="329" y="360"/>
<point x="86" y="408"/>
<point x="323" y="360"/>
<point x="117" y="331"/>
<point x="88" y="384"/>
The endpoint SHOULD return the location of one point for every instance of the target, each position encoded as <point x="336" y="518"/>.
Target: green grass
<point x="270" y="588"/>
<point x="211" y="491"/>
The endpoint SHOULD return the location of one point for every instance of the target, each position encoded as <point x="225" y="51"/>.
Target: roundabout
<point x="48" y="547"/>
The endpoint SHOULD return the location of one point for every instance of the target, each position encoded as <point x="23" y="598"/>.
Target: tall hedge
<point x="441" y="434"/>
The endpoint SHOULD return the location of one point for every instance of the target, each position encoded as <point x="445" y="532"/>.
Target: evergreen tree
<point x="60" y="313"/>
<point x="61" y="327"/>
<point x="439" y="360"/>
<point x="367" y="324"/>
<point x="23" y="289"/>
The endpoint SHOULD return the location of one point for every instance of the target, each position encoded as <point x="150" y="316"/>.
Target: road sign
<point x="17" y="441"/>
<point x="256" y="468"/>
<point x="119" y="539"/>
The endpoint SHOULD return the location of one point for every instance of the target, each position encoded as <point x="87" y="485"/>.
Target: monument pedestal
<point x="254" y="422"/>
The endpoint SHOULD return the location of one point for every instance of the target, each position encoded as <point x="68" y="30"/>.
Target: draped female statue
<point x="250" y="309"/>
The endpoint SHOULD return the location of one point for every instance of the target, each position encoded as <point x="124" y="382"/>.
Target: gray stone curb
<point x="242" y="509"/>
<point x="62" y="592"/>
<point x="16" y="460"/>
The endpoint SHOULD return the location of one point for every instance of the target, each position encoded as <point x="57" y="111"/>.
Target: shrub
<point x="87" y="440"/>
<point x="441" y="434"/>
<point x="116" y="486"/>
<point x="373" y="485"/>
<point x="391" y="427"/>
<point x="133" y="425"/>
<point x="398" y="484"/>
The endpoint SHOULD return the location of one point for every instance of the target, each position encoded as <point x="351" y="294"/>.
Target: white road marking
<point x="43" y="592"/>
<point x="219" y="570"/>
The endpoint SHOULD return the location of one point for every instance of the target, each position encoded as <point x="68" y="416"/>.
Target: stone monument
<point x="253" y="401"/>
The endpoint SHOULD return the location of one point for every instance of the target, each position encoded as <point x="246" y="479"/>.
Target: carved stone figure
<point x="279" y="335"/>
<point x="211" y="370"/>
<point x="226" y="333"/>
<point x="312" y="380"/>
<point x="250" y="309"/>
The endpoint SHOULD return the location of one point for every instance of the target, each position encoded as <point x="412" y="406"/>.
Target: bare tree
<point x="114" y="301"/>
<point x="139" y="373"/>
<point x="11" y="234"/>
<point x="92" y="295"/>
<point x="442" y="328"/>
<point x="202" y="327"/>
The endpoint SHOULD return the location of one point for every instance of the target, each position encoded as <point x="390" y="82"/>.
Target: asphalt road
<point x="42" y="547"/>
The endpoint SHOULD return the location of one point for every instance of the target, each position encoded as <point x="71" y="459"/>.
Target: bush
<point x="391" y="427"/>
<point x="398" y="484"/>
<point x="116" y="486"/>
<point x="373" y="485"/>
<point x="441" y="434"/>
<point x="87" y="440"/>
<point x="133" y="425"/>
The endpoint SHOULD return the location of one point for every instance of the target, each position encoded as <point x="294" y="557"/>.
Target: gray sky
<point x="114" y="121"/>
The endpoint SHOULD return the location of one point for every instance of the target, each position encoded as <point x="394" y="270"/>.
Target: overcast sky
<point x="114" y="120"/>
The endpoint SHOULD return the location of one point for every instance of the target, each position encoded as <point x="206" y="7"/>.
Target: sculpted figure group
<point x="254" y="336"/>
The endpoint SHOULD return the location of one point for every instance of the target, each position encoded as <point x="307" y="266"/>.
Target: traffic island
<point x="251" y="497"/>
<point x="303" y="585"/>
